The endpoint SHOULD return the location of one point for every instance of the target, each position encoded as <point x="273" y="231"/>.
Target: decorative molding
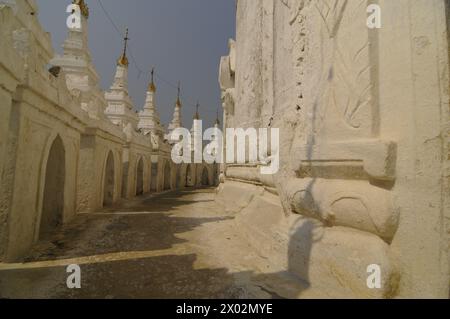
<point x="378" y="158"/>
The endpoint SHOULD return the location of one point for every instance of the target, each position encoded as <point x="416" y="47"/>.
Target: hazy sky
<point x="182" y="39"/>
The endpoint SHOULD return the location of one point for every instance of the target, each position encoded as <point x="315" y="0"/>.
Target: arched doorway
<point x="167" y="175"/>
<point x="154" y="178"/>
<point x="53" y="201"/>
<point x="205" y="177"/>
<point x="140" y="177"/>
<point x="189" y="176"/>
<point x="109" y="181"/>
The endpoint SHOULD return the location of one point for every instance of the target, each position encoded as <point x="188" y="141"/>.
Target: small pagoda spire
<point x="176" y="121"/>
<point x="149" y="120"/>
<point x="197" y="114"/>
<point x="178" y="103"/>
<point x="217" y="123"/>
<point x="123" y="60"/>
<point x="152" y="86"/>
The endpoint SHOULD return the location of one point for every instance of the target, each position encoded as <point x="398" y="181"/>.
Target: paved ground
<point x="176" y="245"/>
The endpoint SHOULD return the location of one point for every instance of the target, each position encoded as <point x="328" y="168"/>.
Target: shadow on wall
<point x="293" y="282"/>
<point x="299" y="252"/>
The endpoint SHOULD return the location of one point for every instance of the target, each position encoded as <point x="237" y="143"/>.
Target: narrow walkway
<point x="175" y="245"/>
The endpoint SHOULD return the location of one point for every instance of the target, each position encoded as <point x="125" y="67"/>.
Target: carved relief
<point x="342" y="152"/>
<point x="347" y="104"/>
<point x="353" y="204"/>
<point x="331" y="12"/>
<point x="352" y="83"/>
<point x="341" y="115"/>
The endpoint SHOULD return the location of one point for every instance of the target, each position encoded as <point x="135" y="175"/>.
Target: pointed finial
<point x="179" y="94"/>
<point x="217" y="117"/>
<point x="123" y="59"/>
<point x="152" y="86"/>
<point x="197" y="114"/>
<point x="125" y="43"/>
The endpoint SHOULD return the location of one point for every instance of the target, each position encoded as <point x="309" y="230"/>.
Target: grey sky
<point x="183" y="39"/>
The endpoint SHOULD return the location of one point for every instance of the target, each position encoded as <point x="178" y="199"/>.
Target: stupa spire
<point x="217" y="122"/>
<point x="176" y="121"/>
<point x="123" y="60"/>
<point x="178" y="103"/>
<point x="149" y="120"/>
<point x="152" y="86"/>
<point x="120" y="107"/>
<point x="197" y="114"/>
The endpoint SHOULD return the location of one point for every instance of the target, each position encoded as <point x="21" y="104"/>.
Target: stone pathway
<point x="174" y="245"/>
